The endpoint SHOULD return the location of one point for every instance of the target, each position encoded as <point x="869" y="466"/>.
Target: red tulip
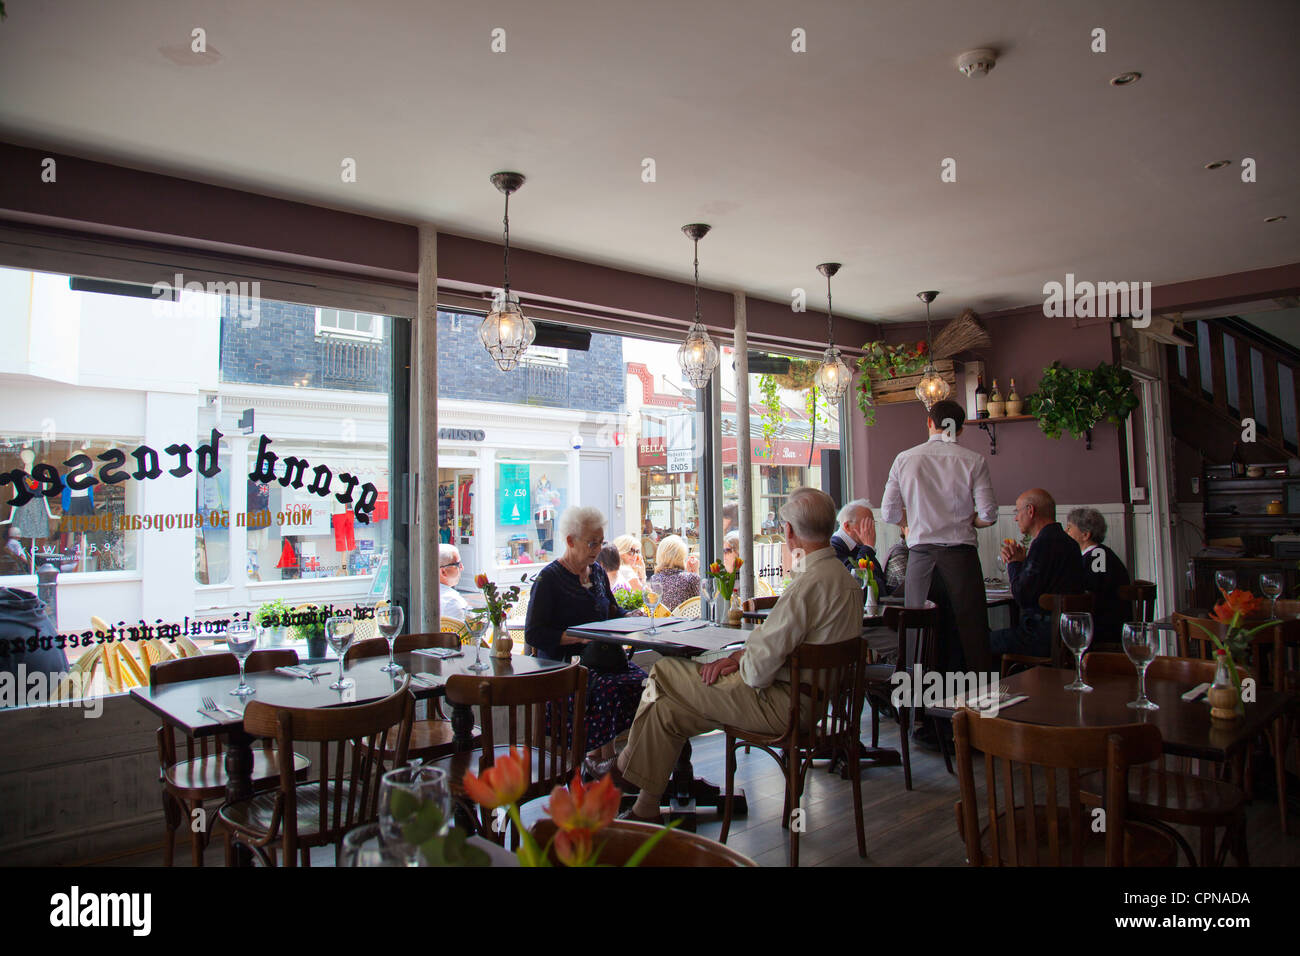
<point x="573" y="847"/>
<point x="582" y="808"/>
<point x="739" y="560"/>
<point x="501" y="784"/>
<point x="715" y="567"/>
<point x="863" y="563"/>
<point x="480" y="581"/>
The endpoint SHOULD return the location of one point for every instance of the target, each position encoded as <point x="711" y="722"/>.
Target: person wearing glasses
<point x="631" y="569"/>
<point x="449" y="567"/>
<point x="571" y="590"/>
<point x="730" y="550"/>
<point x="1051" y="566"/>
<point x="855" y="538"/>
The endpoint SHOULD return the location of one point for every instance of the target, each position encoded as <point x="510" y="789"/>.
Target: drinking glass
<point x="1271" y="585"/>
<point x="1139" y="645"/>
<point x="339" y="631"/>
<point x="414" y="806"/>
<point x="389" y="620"/>
<point x="1076" y="634"/>
<point x="362" y="846"/>
<point x="651" y="598"/>
<point x="477" y="621"/>
<point x="241" y="638"/>
<point x="1225" y="580"/>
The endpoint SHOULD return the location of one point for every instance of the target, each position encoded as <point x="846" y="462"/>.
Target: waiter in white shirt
<point x="945" y="493"/>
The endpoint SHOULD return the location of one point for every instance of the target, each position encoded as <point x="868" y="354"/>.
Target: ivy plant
<point x="1073" y="400"/>
<point x="886" y="361"/>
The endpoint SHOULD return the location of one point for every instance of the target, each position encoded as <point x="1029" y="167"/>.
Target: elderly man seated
<point x="449" y="568"/>
<point x="750" y="689"/>
<point x="1051" y="566"/>
<point x="855" y="538"/>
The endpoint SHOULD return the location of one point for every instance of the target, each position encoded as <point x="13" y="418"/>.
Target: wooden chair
<point x="759" y="603"/>
<point x="451" y="625"/>
<point x="1060" y="832"/>
<point x="554" y="753"/>
<point x="879" y="678"/>
<point x="1165" y="797"/>
<point x="1142" y="595"/>
<point x="690" y="608"/>
<point x="201" y="774"/>
<point x="1056" y="605"/>
<point x="431" y="738"/>
<point x="826" y="683"/>
<point x="299" y="816"/>
<point x="622" y="838"/>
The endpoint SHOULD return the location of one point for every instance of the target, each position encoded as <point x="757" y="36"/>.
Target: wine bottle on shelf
<point x="997" y="407"/>
<point x="981" y="399"/>
<point x="1238" y="461"/>
<point x="1014" y="403"/>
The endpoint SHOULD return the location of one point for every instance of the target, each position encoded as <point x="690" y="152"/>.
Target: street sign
<point x="680" y="462"/>
<point x="681" y="445"/>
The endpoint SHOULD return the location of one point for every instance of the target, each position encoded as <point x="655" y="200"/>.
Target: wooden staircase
<point x="1235" y="372"/>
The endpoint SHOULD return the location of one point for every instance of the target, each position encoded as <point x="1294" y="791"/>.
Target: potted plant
<point x="1075" y="399"/>
<point x="880" y="361"/>
<point x="309" y="626"/>
<point x="1232" y="613"/>
<point x="498" y="604"/>
<point x="272" y="616"/>
<point x="727" y="586"/>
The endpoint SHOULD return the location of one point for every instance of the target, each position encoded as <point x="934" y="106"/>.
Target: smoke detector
<point x="977" y="62"/>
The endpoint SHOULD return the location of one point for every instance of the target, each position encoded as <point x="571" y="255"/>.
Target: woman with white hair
<point x="671" y="579"/>
<point x="571" y="590"/>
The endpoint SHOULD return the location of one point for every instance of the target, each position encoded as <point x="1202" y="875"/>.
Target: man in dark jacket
<point x="22" y="615"/>
<point x="855" y="537"/>
<point x="1052" y="566"/>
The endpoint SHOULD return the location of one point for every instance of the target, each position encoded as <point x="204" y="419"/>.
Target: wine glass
<point x="1139" y="645"/>
<point x="241" y="638"/>
<point x="339" y="631"/>
<point x="414" y="806"/>
<point x="651" y="598"/>
<point x="362" y="846"/>
<point x="389" y="621"/>
<point x="1271" y="584"/>
<point x="1225" y="581"/>
<point x="1076" y="634"/>
<point x="476" y="620"/>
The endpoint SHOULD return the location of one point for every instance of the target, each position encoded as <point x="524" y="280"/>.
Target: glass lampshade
<point x="931" y="388"/>
<point x="833" y="376"/>
<point x="698" y="356"/>
<point x="506" y="332"/>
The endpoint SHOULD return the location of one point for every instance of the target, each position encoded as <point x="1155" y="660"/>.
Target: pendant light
<point x="506" y="332"/>
<point x="698" y="356"/>
<point x="931" y="388"/>
<point x="832" y="376"/>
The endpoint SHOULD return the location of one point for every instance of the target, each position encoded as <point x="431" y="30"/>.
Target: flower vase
<point x="734" y="611"/>
<point x="501" y="641"/>
<point x="720" y="608"/>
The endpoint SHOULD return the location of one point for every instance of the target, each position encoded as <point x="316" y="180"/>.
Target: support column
<point x="744" y="470"/>
<point x="424" y="534"/>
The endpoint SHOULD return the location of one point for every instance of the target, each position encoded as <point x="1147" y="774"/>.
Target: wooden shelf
<point x="990" y="427"/>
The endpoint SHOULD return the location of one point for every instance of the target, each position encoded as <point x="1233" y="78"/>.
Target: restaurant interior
<point x="488" y="300"/>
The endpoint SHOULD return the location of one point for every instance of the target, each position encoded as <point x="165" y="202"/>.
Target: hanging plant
<point x="801" y="375"/>
<point x="771" y="407"/>
<point x="886" y="361"/>
<point x="1073" y="400"/>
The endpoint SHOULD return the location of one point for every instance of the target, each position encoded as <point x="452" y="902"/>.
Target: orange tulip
<point x="501" y="784"/>
<point x="1236" y="602"/>
<point x="573" y="847"/>
<point x="715" y="567"/>
<point x="480" y="581"/>
<point x="739" y="560"/>
<point x="863" y="563"/>
<point x="580" y="808"/>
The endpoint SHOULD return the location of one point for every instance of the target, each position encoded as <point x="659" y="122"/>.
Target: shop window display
<point x="531" y="494"/>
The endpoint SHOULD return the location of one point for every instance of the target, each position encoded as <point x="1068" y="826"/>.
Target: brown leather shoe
<point x="629" y="815"/>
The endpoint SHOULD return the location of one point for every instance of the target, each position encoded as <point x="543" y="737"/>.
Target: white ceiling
<point x="793" y="158"/>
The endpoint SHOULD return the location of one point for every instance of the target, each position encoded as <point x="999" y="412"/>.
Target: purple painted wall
<point x="1023" y="345"/>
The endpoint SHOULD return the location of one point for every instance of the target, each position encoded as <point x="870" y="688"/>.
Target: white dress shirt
<point x="942" y="487"/>
<point x="451" y="603"/>
<point x="823" y="605"/>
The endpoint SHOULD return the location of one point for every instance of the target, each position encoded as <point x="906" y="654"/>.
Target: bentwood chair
<point x="545" y="714"/>
<point x="1164" y="797"/>
<point x="690" y="608"/>
<point x="451" y="625"/>
<point x="295" y="817"/>
<point x="187" y="782"/>
<point x="1056" y="605"/>
<point x="759" y="603"/>
<point x="921" y="623"/>
<point x="622" y="838"/>
<point x="825" y="720"/>
<point x="431" y="738"/>
<point x="1018" y="830"/>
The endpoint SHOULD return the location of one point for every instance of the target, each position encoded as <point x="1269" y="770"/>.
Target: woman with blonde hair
<point x="631" y="570"/>
<point x="671" y="579"/>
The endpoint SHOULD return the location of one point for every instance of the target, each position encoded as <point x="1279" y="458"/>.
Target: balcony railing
<point x="351" y="363"/>
<point x="546" y="384"/>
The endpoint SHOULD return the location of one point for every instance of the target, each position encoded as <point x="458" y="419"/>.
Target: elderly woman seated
<point x="631" y="569"/>
<point x="671" y="579"/>
<point x="571" y="590"/>
<point x="1104" y="573"/>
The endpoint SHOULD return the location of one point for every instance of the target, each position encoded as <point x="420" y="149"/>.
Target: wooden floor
<point x="903" y="828"/>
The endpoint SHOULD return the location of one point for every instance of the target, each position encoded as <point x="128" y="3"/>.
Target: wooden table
<point x="683" y="639"/>
<point x="178" y="704"/>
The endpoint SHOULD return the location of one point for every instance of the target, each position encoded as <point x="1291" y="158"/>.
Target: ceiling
<point x="794" y="158"/>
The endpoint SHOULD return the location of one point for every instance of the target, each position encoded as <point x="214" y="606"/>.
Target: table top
<point x="179" y="703"/>
<point x="1186" y="726"/>
<point x="687" y="637"/>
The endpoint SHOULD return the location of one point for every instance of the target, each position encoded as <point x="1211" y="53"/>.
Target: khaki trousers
<point x="676" y="706"/>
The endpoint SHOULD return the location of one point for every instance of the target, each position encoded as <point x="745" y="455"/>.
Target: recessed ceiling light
<point x="1276" y="219"/>
<point x="1218" y="164"/>
<point x="1125" y="79"/>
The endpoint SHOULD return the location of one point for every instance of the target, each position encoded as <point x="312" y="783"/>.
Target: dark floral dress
<point x="559" y="601"/>
<point x="675" y="585"/>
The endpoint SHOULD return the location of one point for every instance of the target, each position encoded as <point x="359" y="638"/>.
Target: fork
<point x="210" y="704"/>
